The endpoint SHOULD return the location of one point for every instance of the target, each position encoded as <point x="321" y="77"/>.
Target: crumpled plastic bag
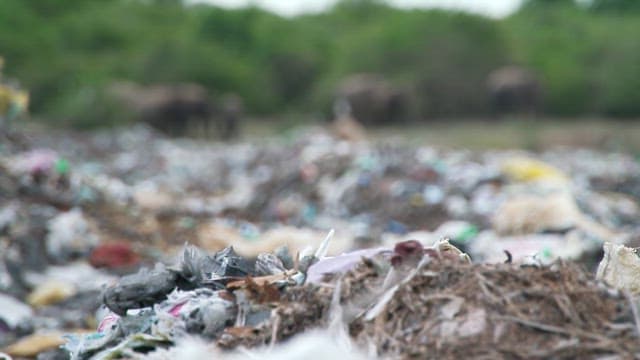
<point x="69" y="234"/>
<point x="140" y="290"/>
<point x="13" y="312"/>
<point x="620" y="267"/>
<point x="201" y="311"/>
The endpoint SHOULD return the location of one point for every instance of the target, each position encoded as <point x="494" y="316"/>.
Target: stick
<point x="274" y="332"/>
<point x="324" y="246"/>
<point x="634" y="310"/>
<point x="535" y="325"/>
<point x="550" y="328"/>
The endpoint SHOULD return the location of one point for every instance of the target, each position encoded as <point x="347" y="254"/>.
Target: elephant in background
<point x="371" y="99"/>
<point x="514" y="90"/>
<point x="231" y="111"/>
<point x="178" y="109"/>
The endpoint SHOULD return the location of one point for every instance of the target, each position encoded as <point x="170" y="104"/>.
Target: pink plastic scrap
<point x="341" y="263"/>
<point x="108" y="321"/>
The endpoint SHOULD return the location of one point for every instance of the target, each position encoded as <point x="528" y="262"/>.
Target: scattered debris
<point x="32" y="345"/>
<point x="50" y="293"/>
<point x="620" y="267"/>
<point x="77" y="214"/>
<point x="458" y="310"/>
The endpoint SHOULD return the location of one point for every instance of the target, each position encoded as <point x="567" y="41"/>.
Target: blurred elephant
<point x="231" y="111"/>
<point x="513" y="89"/>
<point x="175" y="109"/>
<point x="372" y="100"/>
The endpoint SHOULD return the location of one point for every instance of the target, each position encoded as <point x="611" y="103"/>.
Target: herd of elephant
<point x="373" y="100"/>
<point x="181" y="109"/>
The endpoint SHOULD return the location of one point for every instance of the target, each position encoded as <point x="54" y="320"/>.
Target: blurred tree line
<point x="586" y="53"/>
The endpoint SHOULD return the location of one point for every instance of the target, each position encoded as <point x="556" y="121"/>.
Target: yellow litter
<point x="526" y="169"/>
<point x="50" y="292"/>
<point x="32" y="345"/>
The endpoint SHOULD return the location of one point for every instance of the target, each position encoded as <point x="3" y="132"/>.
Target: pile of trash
<point x="82" y="215"/>
<point x="501" y="310"/>
<point x="188" y="190"/>
<point x="411" y="301"/>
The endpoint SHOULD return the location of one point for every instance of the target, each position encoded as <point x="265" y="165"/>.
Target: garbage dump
<point x="128" y="244"/>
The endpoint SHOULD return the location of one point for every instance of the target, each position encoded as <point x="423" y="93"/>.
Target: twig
<point x="296" y="261"/>
<point x="559" y="347"/>
<point x="551" y="328"/>
<point x="482" y="281"/>
<point x="535" y="325"/>
<point x="634" y="310"/>
<point x="274" y="331"/>
<point x="324" y="245"/>
<point x="509" y="257"/>
<point x="566" y="306"/>
<point x="335" y="309"/>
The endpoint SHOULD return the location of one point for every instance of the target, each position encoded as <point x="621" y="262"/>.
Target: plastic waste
<point x="50" y="293"/>
<point x="140" y="290"/>
<point x="201" y="311"/>
<point x="32" y="345"/>
<point x="527" y="169"/>
<point x="13" y="312"/>
<point x="70" y="234"/>
<point x="114" y="255"/>
<point x="620" y="267"/>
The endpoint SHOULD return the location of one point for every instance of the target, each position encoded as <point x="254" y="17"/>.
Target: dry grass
<point x="534" y="134"/>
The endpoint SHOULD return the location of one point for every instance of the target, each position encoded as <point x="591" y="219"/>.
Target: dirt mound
<point x="454" y="310"/>
<point x="460" y="311"/>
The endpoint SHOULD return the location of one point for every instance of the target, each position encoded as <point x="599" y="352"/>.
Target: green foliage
<point x="588" y="60"/>
<point x="440" y="58"/>
<point x="615" y="5"/>
<point x="67" y="53"/>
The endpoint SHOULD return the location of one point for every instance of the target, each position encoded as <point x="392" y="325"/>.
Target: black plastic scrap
<point x="201" y="294"/>
<point x="195" y="270"/>
<point x="201" y="270"/>
<point x="224" y="265"/>
<point x="140" y="290"/>
<point x="269" y="264"/>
